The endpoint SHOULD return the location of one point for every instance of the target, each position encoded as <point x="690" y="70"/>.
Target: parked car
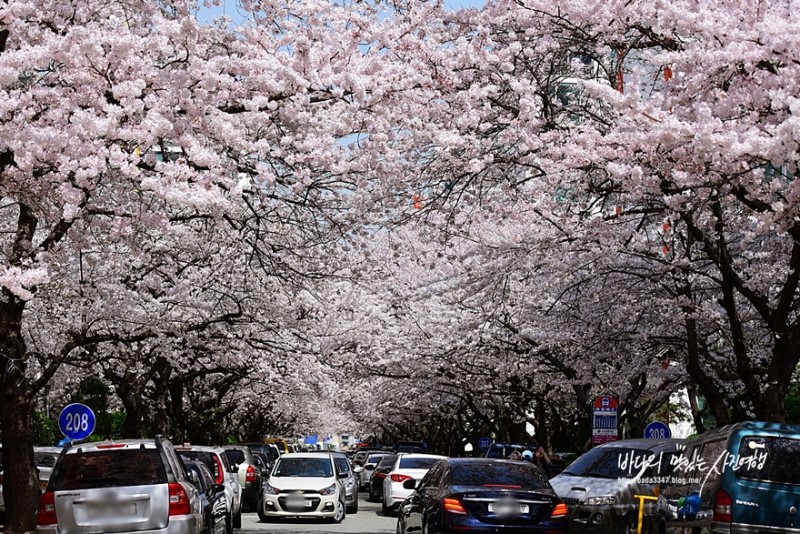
<point x="738" y="478"/>
<point x="378" y="474"/>
<point x="45" y="459"/>
<point x="350" y="481"/>
<point x="600" y="486"/>
<point x="268" y="453"/>
<point x="120" y="486"/>
<point x="248" y="469"/>
<point x="304" y="484"/>
<point x="364" y="470"/>
<point x="217" y="462"/>
<point x="420" y="447"/>
<point x="504" y="450"/>
<point x="406" y="467"/>
<point x="212" y="497"/>
<point x="482" y="495"/>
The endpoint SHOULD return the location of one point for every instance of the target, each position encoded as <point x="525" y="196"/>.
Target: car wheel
<point x="629" y="525"/>
<point x="263" y="517"/>
<point x="237" y="520"/>
<point x="229" y="522"/>
<point x="341" y="512"/>
<point x="354" y="508"/>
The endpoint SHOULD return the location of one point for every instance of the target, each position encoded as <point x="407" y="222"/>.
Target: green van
<point x="741" y="478"/>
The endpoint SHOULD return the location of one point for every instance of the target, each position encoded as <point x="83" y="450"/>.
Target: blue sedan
<point x="482" y="495"/>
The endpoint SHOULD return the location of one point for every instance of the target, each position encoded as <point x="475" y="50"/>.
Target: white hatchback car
<point x="407" y="466"/>
<point x="304" y="485"/>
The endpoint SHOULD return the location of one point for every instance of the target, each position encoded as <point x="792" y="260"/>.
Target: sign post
<point x="76" y="421"/>
<point x="604" y="420"/>
<point x="657" y="430"/>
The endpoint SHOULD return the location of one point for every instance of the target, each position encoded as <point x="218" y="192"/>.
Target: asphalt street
<point x="368" y="520"/>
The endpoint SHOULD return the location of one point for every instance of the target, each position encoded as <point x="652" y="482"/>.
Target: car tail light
<point x="178" y="500"/>
<point x="46" y="514"/>
<point x="377" y="475"/>
<point x="219" y="473"/>
<point x="560" y="510"/>
<point x="250" y="476"/>
<point x="399" y="478"/>
<point x="723" y="507"/>
<point x="453" y="506"/>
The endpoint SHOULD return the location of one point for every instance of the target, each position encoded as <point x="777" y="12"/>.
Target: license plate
<point x="508" y="509"/>
<point x="298" y="503"/>
<point x="105" y="511"/>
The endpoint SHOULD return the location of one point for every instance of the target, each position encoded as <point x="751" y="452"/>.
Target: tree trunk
<point x="785" y="355"/>
<point x="21" y="483"/>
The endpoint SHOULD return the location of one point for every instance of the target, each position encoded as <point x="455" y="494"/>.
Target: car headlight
<point x="600" y="501"/>
<point x="330" y="490"/>
<point x="271" y="490"/>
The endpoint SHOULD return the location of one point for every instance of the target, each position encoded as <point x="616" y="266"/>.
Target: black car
<point x="482" y="495"/>
<point x="378" y="474"/>
<point x="212" y="497"/>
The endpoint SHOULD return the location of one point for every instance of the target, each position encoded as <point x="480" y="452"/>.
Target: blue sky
<point x="231" y="10"/>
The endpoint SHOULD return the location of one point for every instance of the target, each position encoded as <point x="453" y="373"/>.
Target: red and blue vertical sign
<point x="604" y="420"/>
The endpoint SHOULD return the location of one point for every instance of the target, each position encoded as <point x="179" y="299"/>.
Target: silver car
<point x="120" y="486"/>
<point x="217" y="462"/>
<point x="364" y="471"/>
<point x="45" y="459"/>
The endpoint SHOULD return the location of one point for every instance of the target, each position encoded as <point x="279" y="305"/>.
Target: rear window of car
<point x="45" y="459"/>
<point x="417" y="462"/>
<point x="769" y="459"/>
<point x="510" y="475"/>
<point x="387" y="461"/>
<point x="304" y="467"/>
<point x="235" y="457"/>
<point x="205" y="457"/>
<point x="374" y="458"/>
<point x="110" y="469"/>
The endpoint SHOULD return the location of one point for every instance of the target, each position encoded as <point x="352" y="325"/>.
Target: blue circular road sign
<point x="484" y="443"/>
<point x="76" y="421"/>
<point x="657" y="430"/>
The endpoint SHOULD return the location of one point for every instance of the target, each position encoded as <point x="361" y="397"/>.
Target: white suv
<point x="304" y="485"/>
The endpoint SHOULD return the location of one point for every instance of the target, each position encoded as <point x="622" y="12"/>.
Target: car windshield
<point x="417" y="462"/>
<point x="611" y="462"/>
<point x="304" y="467"/>
<point x="108" y="469"/>
<point x="375" y="458"/>
<point x="513" y="475"/>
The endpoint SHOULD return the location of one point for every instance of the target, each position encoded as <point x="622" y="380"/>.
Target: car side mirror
<point x="343" y="475"/>
<point x="369" y="467"/>
<point x="218" y="488"/>
<point x="410" y="484"/>
<point x="235" y="468"/>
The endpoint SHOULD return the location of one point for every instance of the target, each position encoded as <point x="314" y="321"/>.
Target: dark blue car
<point x="482" y="495"/>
